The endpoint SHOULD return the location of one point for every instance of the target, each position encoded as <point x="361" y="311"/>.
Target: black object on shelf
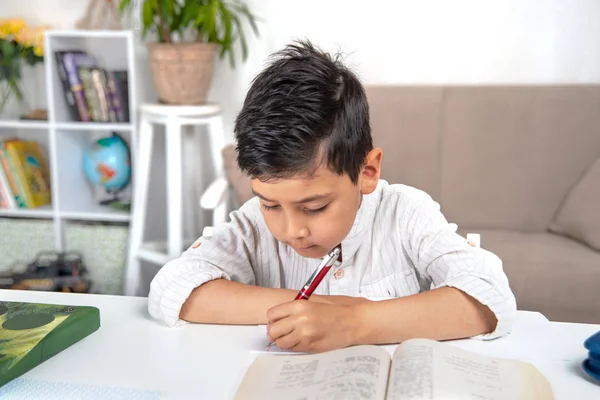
<point x="51" y="272"/>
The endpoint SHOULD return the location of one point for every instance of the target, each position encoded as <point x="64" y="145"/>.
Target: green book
<point x="31" y="333"/>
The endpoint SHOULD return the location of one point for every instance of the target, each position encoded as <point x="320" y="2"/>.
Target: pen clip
<point x="328" y="261"/>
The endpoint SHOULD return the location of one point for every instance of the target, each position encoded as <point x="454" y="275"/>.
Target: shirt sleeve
<point x="227" y="254"/>
<point x="446" y="259"/>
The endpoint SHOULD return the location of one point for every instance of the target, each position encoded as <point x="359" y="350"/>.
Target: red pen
<point x="315" y="279"/>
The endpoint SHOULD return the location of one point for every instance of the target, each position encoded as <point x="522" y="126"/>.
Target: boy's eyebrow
<point x="254" y="192"/>
<point x="304" y="200"/>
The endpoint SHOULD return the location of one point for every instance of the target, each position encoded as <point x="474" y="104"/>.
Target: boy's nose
<point x="296" y="229"/>
<point x="302" y="233"/>
<point x="297" y="233"/>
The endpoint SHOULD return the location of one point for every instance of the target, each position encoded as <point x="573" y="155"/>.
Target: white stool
<point x="173" y="118"/>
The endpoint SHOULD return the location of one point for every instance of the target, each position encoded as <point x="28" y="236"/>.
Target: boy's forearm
<point x="440" y="314"/>
<point x="226" y="302"/>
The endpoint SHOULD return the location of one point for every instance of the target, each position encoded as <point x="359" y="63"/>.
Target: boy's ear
<point x="371" y="171"/>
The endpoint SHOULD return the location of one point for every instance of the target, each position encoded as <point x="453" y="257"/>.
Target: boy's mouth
<point x="312" y="251"/>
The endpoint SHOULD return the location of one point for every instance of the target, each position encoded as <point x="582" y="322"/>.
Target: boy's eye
<point x="306" y="210"/>
<point x="316" y="211"/>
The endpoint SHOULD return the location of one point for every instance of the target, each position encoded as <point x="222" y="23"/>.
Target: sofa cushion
<point x="509" y="154"/>
<point x="579" y="215"/>
<point x="548" y="273"/>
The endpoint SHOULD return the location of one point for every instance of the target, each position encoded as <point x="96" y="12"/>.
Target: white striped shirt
<point x="400" y="244"/>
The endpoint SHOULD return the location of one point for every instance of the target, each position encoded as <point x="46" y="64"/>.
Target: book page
<point x="426" y="369"/>
<point x="355" y="373"/>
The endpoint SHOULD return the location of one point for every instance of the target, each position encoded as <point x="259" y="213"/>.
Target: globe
<point x="107" y="163"/>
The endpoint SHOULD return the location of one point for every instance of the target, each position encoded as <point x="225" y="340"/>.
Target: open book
<point x="419" y="369"/>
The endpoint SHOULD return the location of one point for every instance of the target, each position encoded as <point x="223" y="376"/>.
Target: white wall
<point x="433" y="41"/>
<point x="404" y="41"/>
<point x="459" y="41"/>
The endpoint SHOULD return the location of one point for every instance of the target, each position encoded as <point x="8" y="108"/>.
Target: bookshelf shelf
<point x="87" y="34"/>
<point x="64" y="139"/>
<point x="97" y="213"/>
<point x="18" y="124"/>
<point x="44" y="212"/>
<point x="93" y="126"/>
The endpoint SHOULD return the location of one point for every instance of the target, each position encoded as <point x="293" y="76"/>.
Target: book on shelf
<point x="67" y="63"/>
<point x="118" y="92"/>
<point x="91" y="96"/>
<point x="419" y="369"/>
<point x="7" y="199"/>
<point x="24" y="175"/>
<point x="92" y="93"/>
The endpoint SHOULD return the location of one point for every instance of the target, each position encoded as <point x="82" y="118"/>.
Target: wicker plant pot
<point x="182" y="72"/>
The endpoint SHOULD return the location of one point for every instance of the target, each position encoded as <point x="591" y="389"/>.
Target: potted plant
<point x="189" y="33"/>
<point x="19" y="45"/>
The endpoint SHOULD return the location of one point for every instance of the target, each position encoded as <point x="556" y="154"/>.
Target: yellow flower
<point x="38" y="41"/>
<point x="38" y="51"/>
<point x="3" y="29"/>
<point x="14" y="25"/>
<point x="25" y="36"/>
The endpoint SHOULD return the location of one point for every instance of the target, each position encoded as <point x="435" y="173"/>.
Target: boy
<point x="303" y="136"/>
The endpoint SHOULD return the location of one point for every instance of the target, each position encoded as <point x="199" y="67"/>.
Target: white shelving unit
<point x="65" y="140"/>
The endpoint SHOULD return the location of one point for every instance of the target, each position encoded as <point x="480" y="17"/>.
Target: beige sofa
<point x="517" y="165"/>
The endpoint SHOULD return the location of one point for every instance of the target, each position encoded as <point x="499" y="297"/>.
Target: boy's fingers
<point x="280" y="311"/>
<point x="283" y="327"/>
<point x="288" y="341"/>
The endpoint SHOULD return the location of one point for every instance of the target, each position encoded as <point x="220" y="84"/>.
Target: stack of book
<point x="93" y="94"/>
<point x="24" y="176"/>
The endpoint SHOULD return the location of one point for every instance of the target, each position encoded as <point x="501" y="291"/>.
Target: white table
<point x="208" y="361"/>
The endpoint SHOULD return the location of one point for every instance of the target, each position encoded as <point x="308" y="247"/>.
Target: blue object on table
<point x="591" y="365"/>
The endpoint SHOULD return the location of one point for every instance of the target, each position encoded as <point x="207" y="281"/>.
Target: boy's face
<point x="313" y="215"/>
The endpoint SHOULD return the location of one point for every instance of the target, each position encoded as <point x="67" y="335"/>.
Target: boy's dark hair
<point x="304" y="109"/>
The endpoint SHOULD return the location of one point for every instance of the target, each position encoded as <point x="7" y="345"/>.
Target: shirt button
<point x="339" y="274"/>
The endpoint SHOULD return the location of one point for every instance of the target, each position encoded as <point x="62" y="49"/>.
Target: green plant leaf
<point x="227" y="27"/>
<point x="176" y="25"/>
<point x="199" y="25"/>
<point x="187" y="13"/>
<point x="29" y="56"/>
<point x="242" y="38"/>
<point x="14" y="87"/>
<point x="168" y="7"/>
<point x="200" y="20"/>
<point x="8" y="49"/>
<point x="215" y="21"/>
<point x="231" y="58"/>
<point x="124" y="6"/>
<point x="147" y="16"/>
<point x="251" y="18"/>
<point x="210" y="25"/>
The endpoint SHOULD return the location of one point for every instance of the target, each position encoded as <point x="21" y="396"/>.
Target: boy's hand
<point x="307" y="326"/>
